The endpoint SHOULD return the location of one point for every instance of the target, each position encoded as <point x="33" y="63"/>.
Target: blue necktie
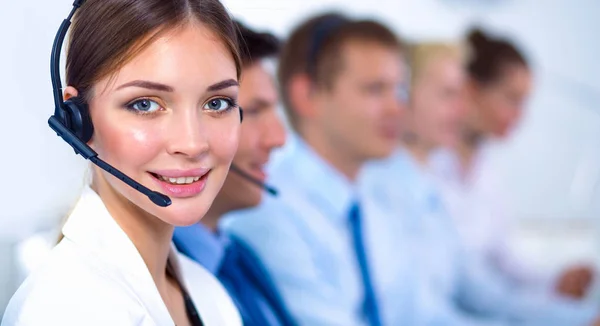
<point x="242" y="289"/>
<point x="370" y="304"/>
<point x="232" y="278"/>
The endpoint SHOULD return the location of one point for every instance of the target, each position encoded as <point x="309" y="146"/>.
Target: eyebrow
<point x="222" y="85"/>
<point x="166" y="88"/>
<point x="260" y="103"/>
<point x="147" y="84"/>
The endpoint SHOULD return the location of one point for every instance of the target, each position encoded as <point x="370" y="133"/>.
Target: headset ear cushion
<point x="80" y="121"/>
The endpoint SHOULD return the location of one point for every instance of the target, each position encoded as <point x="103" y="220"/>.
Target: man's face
<point x="360" y="113"/>
<point x="261" y="132"/>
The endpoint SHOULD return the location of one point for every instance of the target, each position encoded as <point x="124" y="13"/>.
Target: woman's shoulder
<point x="212" y="301"/>
<point x="69" y="291"/>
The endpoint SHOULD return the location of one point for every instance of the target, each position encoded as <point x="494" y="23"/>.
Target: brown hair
<point x="106" y="34"/>
<point x="255" y="46"/>
<point x="490" y="56"/>
<point x="314" y="49"/>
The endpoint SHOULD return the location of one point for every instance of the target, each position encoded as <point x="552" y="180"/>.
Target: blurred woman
<point x="453" y="286"/>
<point x="436" y="102"/>
<point x="432" y="120"/>
<point x="499" y="83"/>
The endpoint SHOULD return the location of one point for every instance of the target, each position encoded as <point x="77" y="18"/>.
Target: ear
<point x="300" y="92"/>
<point x="69" y="92"/>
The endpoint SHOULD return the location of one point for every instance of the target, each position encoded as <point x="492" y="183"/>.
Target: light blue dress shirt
<point x="243" y="276"/>
<point x="458" y="289"/>
<point x="304" y="238"/>
<point x="201" y="245"/>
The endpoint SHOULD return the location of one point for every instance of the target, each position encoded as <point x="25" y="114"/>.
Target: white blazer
<point x="95" y="276"/>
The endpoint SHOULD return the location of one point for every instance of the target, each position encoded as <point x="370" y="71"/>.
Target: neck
<point x="150" y="235"/>
<point x="336" y="155"/>
<point x="466" y="149"/>
<point x="418" y="149"/>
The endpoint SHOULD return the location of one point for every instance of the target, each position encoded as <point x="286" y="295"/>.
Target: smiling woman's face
<point x="169" y="119"/>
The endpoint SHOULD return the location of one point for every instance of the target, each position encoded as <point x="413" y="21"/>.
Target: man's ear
<point x="300" y="93"/>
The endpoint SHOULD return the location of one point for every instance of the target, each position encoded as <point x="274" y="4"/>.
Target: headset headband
<point x="55" y="61"/>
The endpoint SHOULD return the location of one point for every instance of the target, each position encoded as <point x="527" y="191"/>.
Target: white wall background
<point x="552" y="164"/>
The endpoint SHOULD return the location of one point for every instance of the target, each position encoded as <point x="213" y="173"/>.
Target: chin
<point x="238" y="193"/>
<point x="502" y="133"/>
<point x="382" y="151"/>
<point x="183" y="214"/>
<point x="449" y="142"/>
<point x="250" y="197"/>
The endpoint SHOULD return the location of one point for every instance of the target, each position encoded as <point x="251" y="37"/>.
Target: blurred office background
<point x="550" y="166"/>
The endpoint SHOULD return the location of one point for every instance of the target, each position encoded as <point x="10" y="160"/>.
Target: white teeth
<point x="179" y="181"/>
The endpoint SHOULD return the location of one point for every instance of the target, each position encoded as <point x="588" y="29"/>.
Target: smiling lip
<point x="181" y="183"/>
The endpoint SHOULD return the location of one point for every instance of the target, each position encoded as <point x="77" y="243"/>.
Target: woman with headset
<point x="159" y="79"/>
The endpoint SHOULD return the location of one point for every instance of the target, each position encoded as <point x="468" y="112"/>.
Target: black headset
<point x="72" y="122"/>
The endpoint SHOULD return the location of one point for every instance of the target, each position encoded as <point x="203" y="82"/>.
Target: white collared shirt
<point x="96" y="276"/>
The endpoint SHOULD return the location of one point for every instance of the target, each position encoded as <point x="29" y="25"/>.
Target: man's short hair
<point x="314" y="49"/>
<point x="256" y="46"/>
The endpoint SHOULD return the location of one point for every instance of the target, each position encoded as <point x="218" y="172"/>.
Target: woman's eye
<point x="218" y="104"/>
<point x="145" y="106"/>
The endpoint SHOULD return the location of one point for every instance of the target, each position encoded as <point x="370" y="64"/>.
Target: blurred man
<point x="262" y="131"/>
<point x="331" y="252"/>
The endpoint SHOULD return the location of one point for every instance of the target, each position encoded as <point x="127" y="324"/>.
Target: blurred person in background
<point x="498" y="86"/>
<point x="455" y="288"/>
<point x="328" y="247"/>
<point x="227" y="256"/>
<point x="159" y="80"/>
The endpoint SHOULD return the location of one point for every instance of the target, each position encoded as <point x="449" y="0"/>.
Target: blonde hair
<point x="421" y="55"/>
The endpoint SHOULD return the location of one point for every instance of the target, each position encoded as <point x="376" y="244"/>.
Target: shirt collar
<point x="201" y="245"/>
<point x="325" y="186"/>
<point x="91" y="228"/>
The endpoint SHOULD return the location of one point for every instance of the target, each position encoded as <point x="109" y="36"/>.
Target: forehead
<point x="256" y="76"/>
<point x="188" y="58"/>
<point x="370" y="59"/>
<point x="444" y="67"/>
<point x="256" y="80"/>
<point x="517" y="77"/>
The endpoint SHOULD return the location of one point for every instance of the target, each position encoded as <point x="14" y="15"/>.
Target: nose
<point x="274" y="134"/>
<point x="187" y="137"/>
<point x="459" y="107"/>
<point x="395" y="105"/>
